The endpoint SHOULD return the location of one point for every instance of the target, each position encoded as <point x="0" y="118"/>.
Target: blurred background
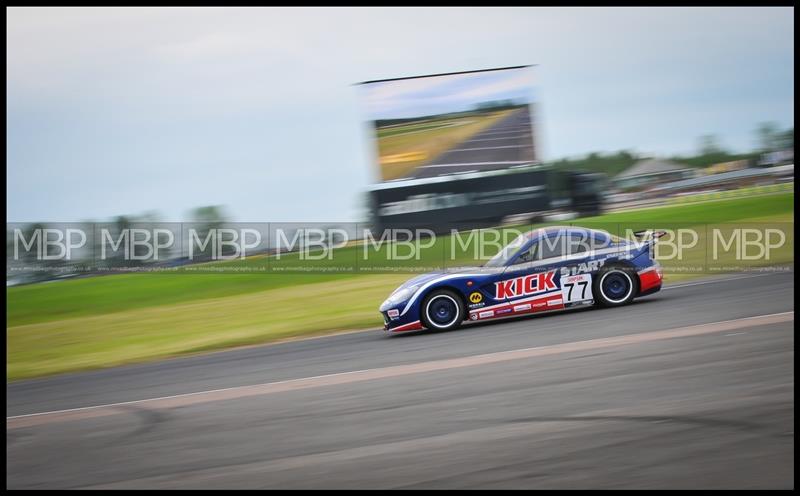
<point x="142" y="116"/>
<point x="116" y="112"/>
<point x="264" y="122"/>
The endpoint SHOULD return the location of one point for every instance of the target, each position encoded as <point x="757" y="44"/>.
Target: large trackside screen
<point x="449" y="124"/>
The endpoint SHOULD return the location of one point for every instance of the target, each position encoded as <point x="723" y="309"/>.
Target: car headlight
<point x="399" y="296"/>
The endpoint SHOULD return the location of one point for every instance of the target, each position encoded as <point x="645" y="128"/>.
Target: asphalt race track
<point x="691" y="387"/>
<point x="502" y="145"/>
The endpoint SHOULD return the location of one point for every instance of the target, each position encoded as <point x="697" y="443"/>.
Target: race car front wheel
<point x="615" y="285"/>
<point x="442" y="310"/>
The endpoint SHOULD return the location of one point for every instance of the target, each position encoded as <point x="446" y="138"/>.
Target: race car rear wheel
<point x="442" y="310"/>
<point x="615" y="286"/>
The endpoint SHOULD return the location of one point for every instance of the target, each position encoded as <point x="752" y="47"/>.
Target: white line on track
<point x="496" y="139"/>
<point x="432" y="128"/>
<point x="458" y="172"/>
<point x="498" y="133"/>
<point x="488" y="148"/>
<point x="476" y="163"/>
<point x="33" y="419"/>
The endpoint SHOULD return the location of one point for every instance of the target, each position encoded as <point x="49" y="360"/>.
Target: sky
<point x="446" y="93"/>
<point x="114" y="111"/>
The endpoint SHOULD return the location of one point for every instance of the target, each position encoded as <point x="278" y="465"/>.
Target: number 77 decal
<point x="576" y="288"/>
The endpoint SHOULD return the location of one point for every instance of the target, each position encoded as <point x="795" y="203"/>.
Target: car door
<point x="528" y="281"/>
<point x="549" y="273"/>
<point x="573" y="278"/>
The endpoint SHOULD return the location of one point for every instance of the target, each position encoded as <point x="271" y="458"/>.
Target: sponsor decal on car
<point x="475" y="297"/>
<point x="484" y="315"/>
<point x="502" y="311"/>
<point x="522" y="308"/>
<point x="583" y="268"/>
<point x="393" y="313"/>
<point x="526" y="285"/>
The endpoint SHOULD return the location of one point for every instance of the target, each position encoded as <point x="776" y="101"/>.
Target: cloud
<point x="188" y="95"/>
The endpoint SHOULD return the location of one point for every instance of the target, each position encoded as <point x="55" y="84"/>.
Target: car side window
<point x="553" y="247"/>
<point x="529" y="255"/>
<point x="578" y="244"/>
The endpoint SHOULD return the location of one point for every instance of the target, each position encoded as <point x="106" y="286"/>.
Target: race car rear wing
<point x="646" y="240"/>
<point x="648" y="235"/>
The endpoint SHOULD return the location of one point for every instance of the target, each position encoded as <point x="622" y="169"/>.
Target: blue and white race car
<point x="553" y="268"/>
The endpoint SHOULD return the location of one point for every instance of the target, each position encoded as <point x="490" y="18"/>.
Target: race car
<point x="543" y="270"/>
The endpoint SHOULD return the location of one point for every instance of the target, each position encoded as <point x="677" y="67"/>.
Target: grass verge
<point x="105" y="321"/>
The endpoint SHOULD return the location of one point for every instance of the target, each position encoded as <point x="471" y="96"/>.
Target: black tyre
<point x="442" y="310"/>
<point x="615" y="285"/>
